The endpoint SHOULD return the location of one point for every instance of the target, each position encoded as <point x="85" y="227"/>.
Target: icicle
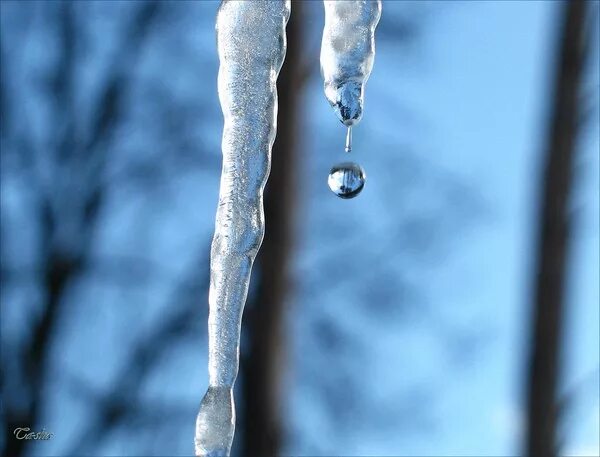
<point x="347" y="53"/>
<point x="251" y="44"/>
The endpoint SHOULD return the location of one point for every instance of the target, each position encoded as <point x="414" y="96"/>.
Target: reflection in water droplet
<point x="346" y="180"/>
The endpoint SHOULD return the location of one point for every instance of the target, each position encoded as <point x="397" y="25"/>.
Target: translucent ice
<point x="347" y="53"/>
<point x="251" y="44"/>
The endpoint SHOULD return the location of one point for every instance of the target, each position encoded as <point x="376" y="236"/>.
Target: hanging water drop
<point x="347" y="55"/>
<point x="346" y="180"/>
<point x="348" y="147"/>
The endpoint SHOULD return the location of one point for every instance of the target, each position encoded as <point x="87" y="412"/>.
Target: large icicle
<point x="251" y="44"/>
<point x="347" y="53"/>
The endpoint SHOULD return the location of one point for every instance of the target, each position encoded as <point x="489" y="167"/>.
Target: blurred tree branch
<point x="554" y="227"/>
<point x="68" y="209"/>
<point x="113" y="407"/>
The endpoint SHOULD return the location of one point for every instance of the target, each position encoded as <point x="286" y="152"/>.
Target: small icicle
<point x="347" y="54"/>
<point x="348" y="147"/>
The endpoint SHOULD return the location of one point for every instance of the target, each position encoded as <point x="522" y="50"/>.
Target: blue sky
<point x="470" y="99"/>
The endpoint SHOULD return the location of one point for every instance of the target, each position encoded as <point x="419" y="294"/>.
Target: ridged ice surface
<point x="251" y="44"/>
<point x="347" y="54"/>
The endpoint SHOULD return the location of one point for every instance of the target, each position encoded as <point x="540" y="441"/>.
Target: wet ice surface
<point x="217" y="426"/>
<point x="346" y="180"/>
<point x="251" y="45"/>
<point x="347" y="54"/>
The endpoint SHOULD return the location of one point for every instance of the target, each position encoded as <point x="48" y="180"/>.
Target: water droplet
<point x="347" y="179"/>
<point x="348" y="147"/>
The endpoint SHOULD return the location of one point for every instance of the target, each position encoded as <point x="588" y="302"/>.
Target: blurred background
<point x="451" y="309"/>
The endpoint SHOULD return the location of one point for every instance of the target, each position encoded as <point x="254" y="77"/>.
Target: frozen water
<point x="251" y="44"/>
<point x="216" y="423"/>
<point x="346" y="180"/>
<point x="347" y="53"/>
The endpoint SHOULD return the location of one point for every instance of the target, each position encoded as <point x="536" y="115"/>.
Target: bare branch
<point x="554" y="228"/>
<point x="117" y="405"/>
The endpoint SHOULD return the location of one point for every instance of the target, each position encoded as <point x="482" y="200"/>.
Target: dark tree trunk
<point x="541" y="440"/>
<point x="264" y="346"/>
<point x="56" y="275"/>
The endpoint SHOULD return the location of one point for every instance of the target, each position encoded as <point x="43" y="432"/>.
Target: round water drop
<point x="347" y="179"/>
